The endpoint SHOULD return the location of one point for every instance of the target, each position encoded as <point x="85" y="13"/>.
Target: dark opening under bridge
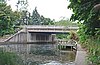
<point x="39" y="33"/>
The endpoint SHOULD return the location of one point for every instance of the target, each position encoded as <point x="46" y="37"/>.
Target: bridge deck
<point x="49" y="29"/>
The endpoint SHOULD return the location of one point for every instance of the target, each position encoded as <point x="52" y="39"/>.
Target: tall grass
<point x="9" y="58"/>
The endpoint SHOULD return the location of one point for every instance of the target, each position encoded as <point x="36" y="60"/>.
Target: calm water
<point x="41" y="54"/>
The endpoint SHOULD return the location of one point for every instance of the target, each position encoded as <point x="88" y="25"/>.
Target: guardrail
<point x="65" y="44"/>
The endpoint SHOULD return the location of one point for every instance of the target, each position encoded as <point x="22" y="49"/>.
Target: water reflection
<point x="41" y="54"/>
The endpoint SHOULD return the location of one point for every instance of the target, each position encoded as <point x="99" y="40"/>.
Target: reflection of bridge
<point x="40" y="33"/>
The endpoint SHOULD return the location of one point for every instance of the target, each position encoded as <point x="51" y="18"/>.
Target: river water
<point x="41" y="54"/>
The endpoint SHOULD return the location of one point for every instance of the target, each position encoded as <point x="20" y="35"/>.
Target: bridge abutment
<point x="26" y="37"/>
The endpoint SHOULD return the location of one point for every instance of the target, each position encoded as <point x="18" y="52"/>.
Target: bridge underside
<point x="51" y="32"/>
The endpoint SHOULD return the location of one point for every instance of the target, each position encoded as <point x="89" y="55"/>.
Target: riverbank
<point x="80" y="56"/>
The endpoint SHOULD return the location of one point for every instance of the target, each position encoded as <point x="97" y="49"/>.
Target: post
<point x="25" y="36"/>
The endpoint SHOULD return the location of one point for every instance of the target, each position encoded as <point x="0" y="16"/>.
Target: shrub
<point x="9" y="58"/>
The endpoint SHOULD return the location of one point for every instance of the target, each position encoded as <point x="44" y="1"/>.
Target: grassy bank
<point x="92" y="46"/>
<point x="9" y="58"/>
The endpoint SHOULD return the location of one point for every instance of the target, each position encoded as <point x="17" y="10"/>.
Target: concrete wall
<point x="19" y="37"/>
<point x="23" y="37"/>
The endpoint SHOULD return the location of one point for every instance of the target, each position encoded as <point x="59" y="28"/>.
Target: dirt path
<point x="80" y="56"/>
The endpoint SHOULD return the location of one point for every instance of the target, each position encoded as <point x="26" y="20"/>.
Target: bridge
<point x="49" y="29"/>
<point x="39" y="33"/>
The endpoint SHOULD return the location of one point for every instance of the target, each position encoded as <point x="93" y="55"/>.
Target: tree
<point x="48" y="21"/>
<point x="7" y="19"/>
<point x="84" y="11"/>
<point x="38" y="19"/>
<point x="24" y="18"/>
<point x="66" y="22"/>
<point x="2" y="1"/>
<point x="88" y="11"/>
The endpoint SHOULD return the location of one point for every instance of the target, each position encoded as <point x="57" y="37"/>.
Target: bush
<point x="92" y="44"/>
<point x="73" y="36"/>
<point x="8" y="58"/>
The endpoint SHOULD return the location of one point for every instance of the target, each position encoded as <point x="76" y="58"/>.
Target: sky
<point x="54" y="9"/>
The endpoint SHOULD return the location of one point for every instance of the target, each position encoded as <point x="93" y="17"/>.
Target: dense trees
<point x="84" y="11"/>
<point x="34" y="19"/>
<point x="66" y="22"/>
<point x="87" y="12"/>
<point x="37" y="19"/>
<point x="3" y="1"/>
<point x="24" y="18"/>
<point x="7" y="19"/>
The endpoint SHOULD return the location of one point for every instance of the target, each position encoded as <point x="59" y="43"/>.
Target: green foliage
<point x="65" y="23"/>
<point x="37" y="19"/>
<point x="73" y="36"/>
<point x="61" y="36"/>
<point x="91" y="43"/>
<point x="8" y="58"/>
<point x="94" y="51"/>
<point x="84" y="11"/>
<point x="24" y="18"/>
<point x="7" y="19"/>
<point x="3" y="1"/>
<point x="88" y="11"/>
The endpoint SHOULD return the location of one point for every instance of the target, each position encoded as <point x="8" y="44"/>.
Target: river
<point x="41" y="54"/>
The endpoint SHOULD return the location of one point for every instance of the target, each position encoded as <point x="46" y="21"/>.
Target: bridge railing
<point x="48" y="27"/>
<point x="67" y="43"/>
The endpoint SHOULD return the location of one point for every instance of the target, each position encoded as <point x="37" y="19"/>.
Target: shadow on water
<point x="41" y="54"/>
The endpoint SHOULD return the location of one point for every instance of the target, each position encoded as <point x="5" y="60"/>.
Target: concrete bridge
<point x="39" y="33"/>
<point x="49" y="29"/>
